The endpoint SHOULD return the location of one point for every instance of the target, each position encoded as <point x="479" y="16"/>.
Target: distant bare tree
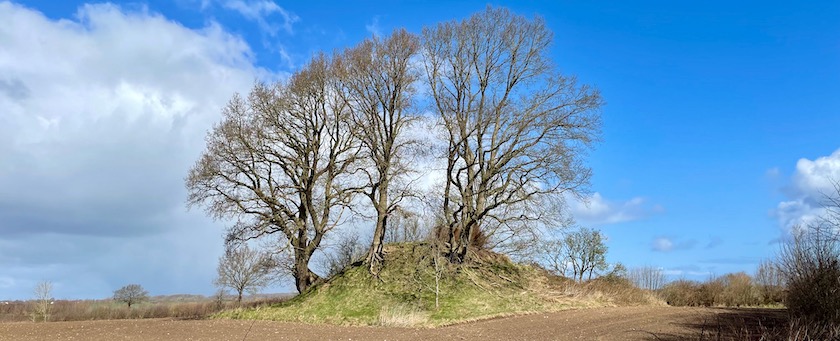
<point x="770" y="282"/>
<point x="587" y="252"/>
<point x="378" y="83"/>
<point x="43" y="301"/>
<point x="131" y="294"/>
<point x="517" y="128"/>
<point x="280" y="162"/>
<point x="244" y="269"/>
<point x="647" y="277"/>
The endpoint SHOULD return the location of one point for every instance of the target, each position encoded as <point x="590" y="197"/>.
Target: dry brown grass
<point x="82" y="310"/>
<point x="402" y="315"/>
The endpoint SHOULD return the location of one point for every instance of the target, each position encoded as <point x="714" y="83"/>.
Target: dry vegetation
<point x="85" y="310"/>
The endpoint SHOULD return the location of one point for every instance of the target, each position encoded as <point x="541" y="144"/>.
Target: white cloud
<point x="810" y="184"/>
<point x="665" y="244"/>
<point x="662" y="244"/>
<point x="262" y="12"/>
<point x="102" y="117"/>
<point x="373" y="28"/>
<point x="596" y="210"/>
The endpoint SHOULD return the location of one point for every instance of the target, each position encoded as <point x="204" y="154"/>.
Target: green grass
<point x="490" y="286"/>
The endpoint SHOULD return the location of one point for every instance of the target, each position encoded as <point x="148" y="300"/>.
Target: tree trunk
<point x="304" y="278"/>
<point x="375" y="254"/>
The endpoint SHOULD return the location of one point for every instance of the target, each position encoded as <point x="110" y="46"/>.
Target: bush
<point x="810" y="263"/>
<point x="731" y="290"/>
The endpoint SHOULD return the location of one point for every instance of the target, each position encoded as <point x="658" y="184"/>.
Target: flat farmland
<point x="622" y="323"/>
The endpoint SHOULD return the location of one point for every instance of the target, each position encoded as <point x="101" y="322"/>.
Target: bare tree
<point x="770" y="282"/>
<point x="280" y="163"/>
<point x="347" y="251"/>
<point x="586" y="252"/>
<point x="810" y="265"/>
<point x="378" y="82"/>
<point x="406" y="226"/>
<point x="580" y="253"/>
<point x="517" y="128"/>
<point x="131" y="294"/>
<point x="647" y="277"/>
<point x="244" y="269"/>
<point x="43" y="301"/>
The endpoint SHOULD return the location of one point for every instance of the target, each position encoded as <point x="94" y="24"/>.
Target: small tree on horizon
<point x="131" y="294"/>
<point x="43" y="301"/>
<point x="245" y="270"/>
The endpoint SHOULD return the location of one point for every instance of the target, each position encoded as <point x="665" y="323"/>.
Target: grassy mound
<point x="411" y="282"/>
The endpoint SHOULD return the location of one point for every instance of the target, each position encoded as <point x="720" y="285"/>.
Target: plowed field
<point x="625" y="323"/>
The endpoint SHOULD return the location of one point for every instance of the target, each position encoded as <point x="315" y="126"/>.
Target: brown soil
<point x="625" y="323"/>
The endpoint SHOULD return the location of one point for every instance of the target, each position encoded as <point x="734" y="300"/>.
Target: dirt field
<point x="627" y="323"/>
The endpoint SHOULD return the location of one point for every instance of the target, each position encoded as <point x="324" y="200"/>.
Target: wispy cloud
<point x="597" y="210"/>
<point x="265" y="13"/>
<point x="665" y="244"/>
<point x="373" y="27"/>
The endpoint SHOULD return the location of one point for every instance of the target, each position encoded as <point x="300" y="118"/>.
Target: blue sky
<point x="719" y="131"/>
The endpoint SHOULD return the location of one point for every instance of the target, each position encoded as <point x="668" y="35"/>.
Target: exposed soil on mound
<point x="622" y="323"/>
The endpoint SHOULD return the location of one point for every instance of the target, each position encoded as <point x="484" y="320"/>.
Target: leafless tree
<point x="280" y="162"/>
<point x="378" y="82"/>
<point x="407" y="226"/>
<point x="346" y="251"/>
<point x="770" y="282"/>
<point x="43" y="301"/>
<point x="585" y="253"/>
<point x="517" y="128"/>
<point x="647" y="277"/>
<point x="810" y="265"/>
<point x="245" y="270"/>
<point x="131" y="294"/>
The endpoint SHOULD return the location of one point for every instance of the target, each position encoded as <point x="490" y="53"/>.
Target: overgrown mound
<point x="417" y="287"/>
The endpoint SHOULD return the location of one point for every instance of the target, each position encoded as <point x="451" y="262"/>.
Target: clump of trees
<point x="293" y="158"/>
<point x="579" y="254"/>
<point x="131" y="294"/>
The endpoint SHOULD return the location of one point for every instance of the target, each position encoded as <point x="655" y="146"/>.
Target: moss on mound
<point x="404" y="294"/>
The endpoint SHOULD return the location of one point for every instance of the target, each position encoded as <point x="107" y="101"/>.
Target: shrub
<point x="810" y="263"/>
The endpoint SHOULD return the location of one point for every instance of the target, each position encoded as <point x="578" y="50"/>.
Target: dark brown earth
<point x="625" y="323"/>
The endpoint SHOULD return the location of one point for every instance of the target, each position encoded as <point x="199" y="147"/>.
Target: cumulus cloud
<point x="103" y="114"/>
<point x="596" y="210"/>
<point x="810" y="184"/>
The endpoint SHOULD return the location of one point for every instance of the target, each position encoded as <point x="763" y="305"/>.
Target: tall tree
<point x="379" y="82"/>
<point x="279" y="162"/>
<point x="517" y="127"/>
